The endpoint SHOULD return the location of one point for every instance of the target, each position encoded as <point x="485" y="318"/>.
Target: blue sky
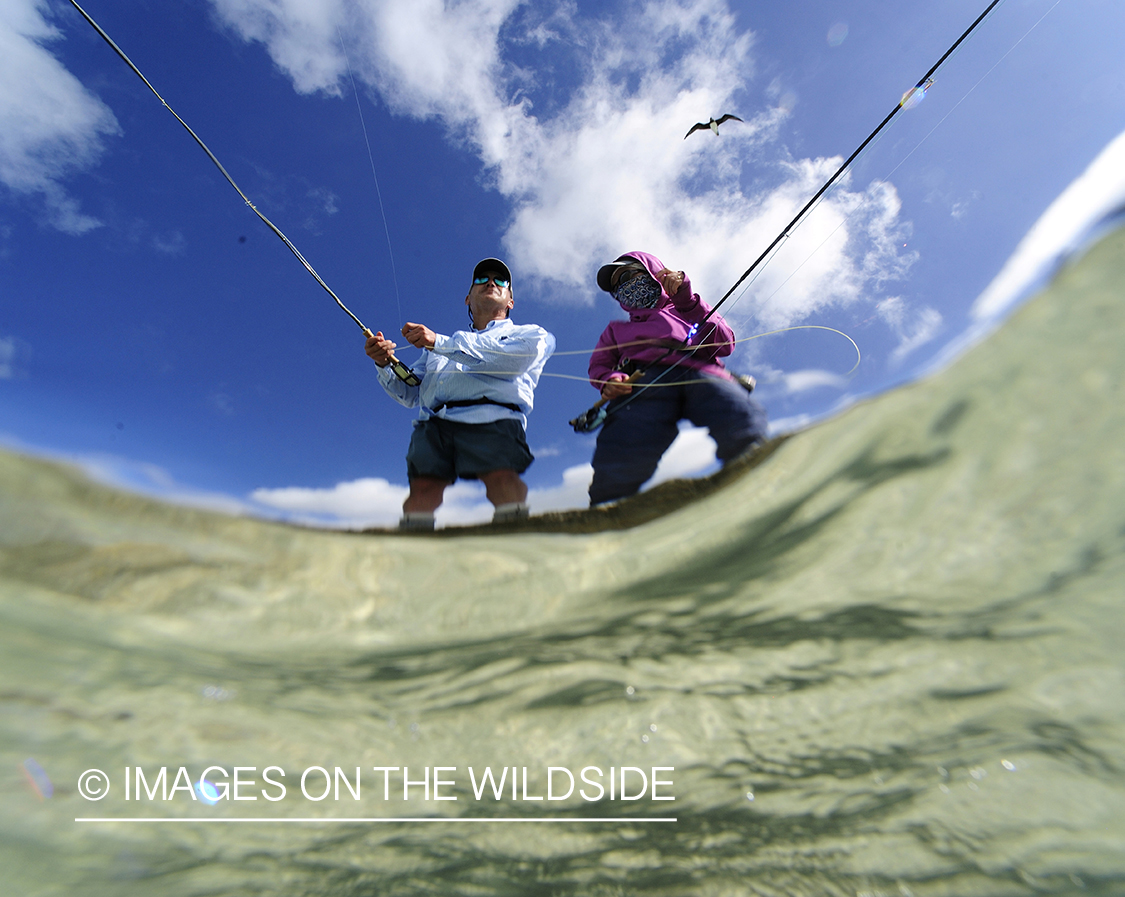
<point x="153" y="329"/>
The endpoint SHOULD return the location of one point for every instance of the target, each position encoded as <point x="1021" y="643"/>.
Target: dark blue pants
<point x="640" y="427"/>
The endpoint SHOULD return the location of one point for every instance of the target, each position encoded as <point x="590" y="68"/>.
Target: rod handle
<point x="632" y="378"/>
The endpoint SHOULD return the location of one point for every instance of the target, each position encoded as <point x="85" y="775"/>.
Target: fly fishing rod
<point x="912" y="95"/>
<point x="593" y="417"/>
<point x="400" y="370"/>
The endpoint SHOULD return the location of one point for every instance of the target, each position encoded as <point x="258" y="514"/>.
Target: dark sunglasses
<point x="501" y="282"/>
<point x="623" y="275"/>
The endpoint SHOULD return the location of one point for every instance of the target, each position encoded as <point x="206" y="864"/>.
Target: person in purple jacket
<point x="691" y="384"/>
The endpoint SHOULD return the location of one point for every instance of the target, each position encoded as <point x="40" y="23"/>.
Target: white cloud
<point x="464" y="504"/>
<point x="791" y="424"/>
<point x="371" y="501"/>
<point x="959" y="208"/>
<point x="1097" y="192"/>
<point x="366" y="502"/>
<point x="296" y="44"/>
<point x="914" y="327"/>
<point x="9" y="349"/>
<point x="552" y="451"/>
<point x="592" y="164"/>
<point x="604" y="167"/>
<point x="692" y="454"/>
<point x="50" y="125"/>
<point x="377" y="502"/>
<point x="570" y="493"/>
<point x="801" y="381"/>
<point x="173" y="244"/>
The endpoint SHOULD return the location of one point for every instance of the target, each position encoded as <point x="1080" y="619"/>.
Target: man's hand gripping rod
<point x="399" y="369"/>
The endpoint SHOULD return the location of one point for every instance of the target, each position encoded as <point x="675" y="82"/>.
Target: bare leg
<point x="504" y="487"/>
<point x="425" y="495"/>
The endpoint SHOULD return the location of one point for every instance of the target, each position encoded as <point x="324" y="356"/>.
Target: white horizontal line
<point x="384" y="819"/>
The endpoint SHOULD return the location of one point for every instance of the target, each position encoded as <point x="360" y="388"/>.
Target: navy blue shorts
<point x="450" y="450"/>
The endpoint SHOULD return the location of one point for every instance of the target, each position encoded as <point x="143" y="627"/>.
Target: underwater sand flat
<point x="898" y="631"/>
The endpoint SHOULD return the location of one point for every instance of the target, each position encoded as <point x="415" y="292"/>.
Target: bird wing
<point x="728" y="117"/>
<point x="699" y="125"/>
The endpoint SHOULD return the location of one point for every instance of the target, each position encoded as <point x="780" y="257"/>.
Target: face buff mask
<point x="640" y="292"/>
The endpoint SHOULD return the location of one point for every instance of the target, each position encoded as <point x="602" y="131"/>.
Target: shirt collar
<point x="492" y="324"/>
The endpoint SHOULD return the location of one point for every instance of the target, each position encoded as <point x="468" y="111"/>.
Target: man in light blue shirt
<point x="474" y="390"/>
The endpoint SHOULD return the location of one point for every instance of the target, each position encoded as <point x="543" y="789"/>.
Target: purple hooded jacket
<point x="666" y="325"/>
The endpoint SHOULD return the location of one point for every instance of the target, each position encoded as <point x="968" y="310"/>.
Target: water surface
<point x="886" y="661"/>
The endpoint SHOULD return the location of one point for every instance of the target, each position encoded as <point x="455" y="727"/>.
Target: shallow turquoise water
<point x="901" y="635"/>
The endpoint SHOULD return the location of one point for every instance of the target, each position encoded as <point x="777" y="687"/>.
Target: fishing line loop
<point x="746" y="339"/>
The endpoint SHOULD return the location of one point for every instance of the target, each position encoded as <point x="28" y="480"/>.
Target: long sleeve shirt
<point x="649" y="332"/>
<point x="502" y="363"/>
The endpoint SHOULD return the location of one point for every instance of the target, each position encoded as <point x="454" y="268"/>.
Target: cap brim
<point x="492" y="266"/>
<point x="605" y="272"/>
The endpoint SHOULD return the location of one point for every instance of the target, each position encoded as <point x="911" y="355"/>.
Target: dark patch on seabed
<point x="883" y="657"/>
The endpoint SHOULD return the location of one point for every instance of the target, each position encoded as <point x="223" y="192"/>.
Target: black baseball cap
<point x="492" y="266"/>
<point x="605" y="272"/>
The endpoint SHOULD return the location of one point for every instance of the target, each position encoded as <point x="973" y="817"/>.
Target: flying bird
<point x="713" y="124"/>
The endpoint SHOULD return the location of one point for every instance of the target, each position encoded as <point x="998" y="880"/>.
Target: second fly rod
<point x="924" y="83"/>
<point x="593" y="417"/>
